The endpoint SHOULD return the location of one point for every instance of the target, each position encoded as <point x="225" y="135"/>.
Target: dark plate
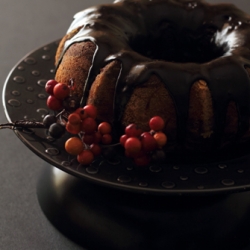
<point x="24" y="98"/>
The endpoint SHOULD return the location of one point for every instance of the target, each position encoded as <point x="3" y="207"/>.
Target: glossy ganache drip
<point x="179" y="41"/>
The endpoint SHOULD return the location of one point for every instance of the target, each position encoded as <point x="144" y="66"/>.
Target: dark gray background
<point x="24" y="26"/>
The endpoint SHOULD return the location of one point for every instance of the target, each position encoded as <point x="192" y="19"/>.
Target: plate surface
<point x="24" y="98"/>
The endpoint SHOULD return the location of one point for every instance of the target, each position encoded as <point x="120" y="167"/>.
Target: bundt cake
<point x="185" y="61"/>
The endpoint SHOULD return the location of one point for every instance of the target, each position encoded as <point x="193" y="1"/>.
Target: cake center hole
<point x="185" y="46"/>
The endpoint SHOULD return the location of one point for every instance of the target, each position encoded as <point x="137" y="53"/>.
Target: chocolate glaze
<point x="121" y="31"/>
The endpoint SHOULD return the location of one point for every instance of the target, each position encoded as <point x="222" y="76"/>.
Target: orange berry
<point x="73" y="129"/>
<point x="85" y="157"/>
<point x="74" y="119"/>
<point x="104" y="128"/>
<point x="74" y="146"/>
<point x="161" y="139"/>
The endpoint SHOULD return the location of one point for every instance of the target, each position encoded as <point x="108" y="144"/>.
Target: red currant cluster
<point x="88" y="134"/>
<point x="141" y="145"/>
<point x="80" y="122"/>
<point x="57" y="93"/>
<point x="86" y="145"/>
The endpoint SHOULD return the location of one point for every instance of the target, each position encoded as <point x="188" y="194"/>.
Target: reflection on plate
<point x="24" y="98"/>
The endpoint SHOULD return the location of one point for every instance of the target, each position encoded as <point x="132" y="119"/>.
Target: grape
<point x="48" y="120"/>
<point x="56" y="130"/>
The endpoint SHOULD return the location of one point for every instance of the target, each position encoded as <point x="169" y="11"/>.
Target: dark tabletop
<point x="24" y="26"/>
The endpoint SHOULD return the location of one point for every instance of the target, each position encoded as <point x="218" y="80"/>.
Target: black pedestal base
<point x="98" y="217"/>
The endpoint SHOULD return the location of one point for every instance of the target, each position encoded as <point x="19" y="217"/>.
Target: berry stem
<point x="22" y="125"/>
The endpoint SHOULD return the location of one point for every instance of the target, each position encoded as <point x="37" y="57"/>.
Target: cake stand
<point x="112" y="204"/>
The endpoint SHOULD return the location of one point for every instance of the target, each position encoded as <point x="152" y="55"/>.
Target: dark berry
<point x="56" y="130"/>
<point x="159" y="155"/>
<point x="48" y="120"/>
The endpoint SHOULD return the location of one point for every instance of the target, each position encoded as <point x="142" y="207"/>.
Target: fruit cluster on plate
<point x="88" y="136"/>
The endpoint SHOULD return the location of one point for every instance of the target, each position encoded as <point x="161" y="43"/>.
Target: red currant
<point x="104" y="128"/>
<point x="142" y="160"/>
<point x="133" y="145"/>
<point x="90" y="110"/>
<point x="132" y="131"/>
<point x="89" y="138"/>
<point x="106" y="139"/>
<point x="89" y="125"/>
<point x="53" y="103"/>
<point x="81" y="113"/>
<point x="156" y="123"/>
<point x="49" y="86"/>
<point x="98" y="137"/>
<point x="85" y="157"/>
<point x="95" y="149"/>
<point x="148" y="142"/>
<point x="61" y="91"/>
<point x="123" y="139"/>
